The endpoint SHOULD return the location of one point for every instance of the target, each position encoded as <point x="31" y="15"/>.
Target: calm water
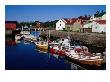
<point x="25" y="56"/>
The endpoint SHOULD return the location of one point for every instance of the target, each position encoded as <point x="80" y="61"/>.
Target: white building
<point x="88" y="25"/>
<point x="99" y="26"/>
<point x="96" y="24"/>
<point x="72" y="24"/>
<point x="60" y="25"/>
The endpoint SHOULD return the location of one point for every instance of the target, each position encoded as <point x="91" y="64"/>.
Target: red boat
<point x="60" y="52"/>
<point x="52" y="51"/>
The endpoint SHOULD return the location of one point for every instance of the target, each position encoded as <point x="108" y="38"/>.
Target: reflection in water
<point x="10" y="42"/>
<point x="42" y="50"/>
<point x="74" y="66"/>
<point x="25" y="56"/>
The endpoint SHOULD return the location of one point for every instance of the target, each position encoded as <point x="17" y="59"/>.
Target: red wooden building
<point x="10" y="25"/>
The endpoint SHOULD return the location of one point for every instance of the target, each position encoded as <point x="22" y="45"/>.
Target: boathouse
<point x="10" y="25"/>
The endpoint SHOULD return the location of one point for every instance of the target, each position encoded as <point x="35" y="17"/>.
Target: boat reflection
<point x="74" y="66"/>
<point x="41" y="50"/>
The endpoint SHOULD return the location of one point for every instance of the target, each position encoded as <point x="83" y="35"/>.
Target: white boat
<point x="84" y="58"/>
<point x="25" y="32"/>
<point x="17" y="37"/>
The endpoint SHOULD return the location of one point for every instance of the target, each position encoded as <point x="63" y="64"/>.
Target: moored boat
<point x="17" y="37"/>
<point x="85" y="58"/>
<point x="42" y="45"/>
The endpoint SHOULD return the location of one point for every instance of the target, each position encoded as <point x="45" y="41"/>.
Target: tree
<point x="99" y="14"/>
<point x="50" y="24"/>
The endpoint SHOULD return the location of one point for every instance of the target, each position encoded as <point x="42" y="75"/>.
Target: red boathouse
<point x="10" y="25"/>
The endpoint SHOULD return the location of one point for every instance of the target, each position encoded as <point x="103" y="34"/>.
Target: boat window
<point x="41" y="43"/>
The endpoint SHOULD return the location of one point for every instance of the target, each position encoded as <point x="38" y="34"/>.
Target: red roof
<point x="81" y="19"/>
<point x="70" y="21"/>
<point x="10" y="26"/>
<point x="101" y="21"/>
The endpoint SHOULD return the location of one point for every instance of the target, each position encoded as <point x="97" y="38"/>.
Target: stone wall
<point x="89" y="38"/>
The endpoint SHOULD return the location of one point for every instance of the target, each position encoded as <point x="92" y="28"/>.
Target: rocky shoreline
<point x="96" y="39"/>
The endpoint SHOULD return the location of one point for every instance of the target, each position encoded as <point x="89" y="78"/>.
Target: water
<point x="21" y="56"/>
<point x="26" y="57"/>
<point x="35" y="33"/>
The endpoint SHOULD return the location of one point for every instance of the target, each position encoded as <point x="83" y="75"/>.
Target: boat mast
<point x="69" y="40"/>
<point x="48" y="43"/>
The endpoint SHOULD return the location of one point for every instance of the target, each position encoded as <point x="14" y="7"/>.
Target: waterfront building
<point x="10" y="25"/>
<point x="73" y="24"/>
<point x="99" y="26"/>
<point x="38" y="25"/>
<point x="95" y="24"/>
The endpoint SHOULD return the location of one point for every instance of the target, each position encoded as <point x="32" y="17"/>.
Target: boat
<point x="17" y="37"/>
<point x="42" y="50"/>
<point x="25" y="32"/>
<point x="85" y="58"/>
<point x="26" y="42"/>
<point x="42" y="45"/>
<point x="58" y="48"/>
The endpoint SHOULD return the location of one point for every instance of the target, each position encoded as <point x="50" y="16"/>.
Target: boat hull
<point x="89" y="64"/>
<point x="43" y="47"/>
<point x="96" y="62"/>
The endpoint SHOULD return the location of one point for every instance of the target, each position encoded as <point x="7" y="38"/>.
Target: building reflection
<point x="10" y="42"/>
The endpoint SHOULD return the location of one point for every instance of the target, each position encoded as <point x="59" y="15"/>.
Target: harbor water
<point x="25" y="56"/>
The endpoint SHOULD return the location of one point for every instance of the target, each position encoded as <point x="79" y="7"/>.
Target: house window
<point x="60" y="24"/>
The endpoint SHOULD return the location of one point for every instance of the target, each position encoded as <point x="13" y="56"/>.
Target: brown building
<point x="73" y="24"/>
<point x="38" y="24"/>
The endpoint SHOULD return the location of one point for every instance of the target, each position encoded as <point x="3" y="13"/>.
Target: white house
<point x="96" y="24"/>
<point x="103" y="17"/>
<point x="72" y="24"/>
<point x="60" y="25"/>
<point x="98" y="18"/>
<point x="88" y="25"/>
<point x="99" y="26"/>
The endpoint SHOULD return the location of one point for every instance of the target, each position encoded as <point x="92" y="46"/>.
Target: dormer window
<point x="60" y="24"/>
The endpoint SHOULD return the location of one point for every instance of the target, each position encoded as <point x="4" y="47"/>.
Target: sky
<point x="43" y="13"/>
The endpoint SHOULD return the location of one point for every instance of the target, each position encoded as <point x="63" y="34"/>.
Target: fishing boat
<point x="17" y="37"/>
<point x="85" y="58"/>
<point x="42" y="45"/>
<point x="42" y="50"/>
<point x="25" y="32"/>
<point x="58" y="47"/>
